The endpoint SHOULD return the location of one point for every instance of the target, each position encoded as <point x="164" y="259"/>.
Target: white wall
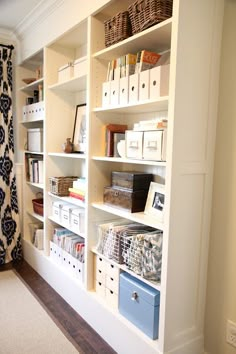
<point x="221" y="293"/>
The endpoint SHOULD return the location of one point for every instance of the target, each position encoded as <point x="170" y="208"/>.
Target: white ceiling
<point x="12" y="12"/>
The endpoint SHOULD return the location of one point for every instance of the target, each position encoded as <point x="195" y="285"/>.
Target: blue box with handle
<point x="139" y="303"/>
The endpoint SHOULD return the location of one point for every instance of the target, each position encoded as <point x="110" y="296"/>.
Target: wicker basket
<point x="60" y="185"/>
<point x="117" y="28"/>
<point x="146" y="13"/>
<point x="38" y="206"/>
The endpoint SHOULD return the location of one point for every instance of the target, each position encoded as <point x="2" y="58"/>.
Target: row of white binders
<point x="149" y="84"/>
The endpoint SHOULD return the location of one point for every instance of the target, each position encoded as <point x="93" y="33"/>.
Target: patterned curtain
<point x="10" y="237"/>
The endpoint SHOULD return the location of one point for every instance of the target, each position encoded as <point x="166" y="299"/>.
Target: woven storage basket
<point x="60" y="185"/>
<point x="117" y="28"/>
<point x="38" y="206"/>
<point x="146" y="13"/>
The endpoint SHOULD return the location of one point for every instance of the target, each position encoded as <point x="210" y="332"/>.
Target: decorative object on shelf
<point x="155" y="201"/>
<point x="29" y="80"/>
<point x="67" y="146"/>
<point x="117" y="28"/>
<point x="38" y="206"/>
<point x="112" y="138"/>
<point x="79" y="132"/>
<point x="60" y="185"/>
<point x="144" y="14"/>
<point x="121" y="148"/>
<point x="129" y="190"/>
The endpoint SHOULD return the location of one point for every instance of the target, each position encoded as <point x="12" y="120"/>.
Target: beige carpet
<point x="25" y="327"/>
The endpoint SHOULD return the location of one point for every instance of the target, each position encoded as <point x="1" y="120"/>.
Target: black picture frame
<point x="79" y="131"/>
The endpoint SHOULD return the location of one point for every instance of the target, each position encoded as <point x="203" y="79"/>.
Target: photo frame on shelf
<point x="155" y="204"/>
<point x="79" y="132"/>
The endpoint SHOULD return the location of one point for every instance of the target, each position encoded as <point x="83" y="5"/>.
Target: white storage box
<point x="80" y="67"/>
<point x="66" y="211"/>
<point x="106" y="93"/>
<point x="80" y="271"/>
<point x="100" y="289"/>
<point x="133" y="88"/>
<point x="144" y="85"/>
<point x="114" y="93"/>
<point x="65" y="72"/>
<point x="134" y="144"/>
<point x="35" y="139"/>
<point x="124" y="90"/>
<point x="154" y="145"/>
<point x="159" y="81"/>
<point x="56" y="210"/>
<point x="77" y="220"/>
<point x="111" y="298"/>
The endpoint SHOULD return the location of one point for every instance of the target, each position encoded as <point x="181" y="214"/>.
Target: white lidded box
<point x="35" y="139"/>
<point x="65" y="72"/>
<point x="77" y="220"/>
<point x="66" y="214"/>
<point x="134" y="144"/>
<point x="80" y="67"/>
<point x="154" y="145"/>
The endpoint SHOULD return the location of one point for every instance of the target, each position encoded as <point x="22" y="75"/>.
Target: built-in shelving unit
<point x="186" y="174"/>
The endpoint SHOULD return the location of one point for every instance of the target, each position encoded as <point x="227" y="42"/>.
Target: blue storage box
<point x="139" y="303"/>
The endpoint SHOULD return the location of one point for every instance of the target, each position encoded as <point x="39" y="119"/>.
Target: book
<point x="151" y="125"/>
<point x="40" y="171"/>
<point x="148" y="60"/>
<point x="130" y="62"/>
<point x="77" y="196"/>
<point x="77" y="191"/>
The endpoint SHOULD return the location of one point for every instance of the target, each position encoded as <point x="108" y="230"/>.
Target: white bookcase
<point x="193" y="37"/>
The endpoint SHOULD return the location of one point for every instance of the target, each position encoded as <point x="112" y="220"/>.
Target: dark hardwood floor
<point x="85" y="339"/>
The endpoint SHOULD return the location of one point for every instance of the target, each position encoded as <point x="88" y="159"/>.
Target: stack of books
<point x="34" y="168"/>
<point x="78" y="190"/>
<point x="130" y="64"/>
<point x="153" y="124"/>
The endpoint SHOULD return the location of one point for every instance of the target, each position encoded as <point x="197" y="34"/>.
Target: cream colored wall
<point x="221" y="292"/>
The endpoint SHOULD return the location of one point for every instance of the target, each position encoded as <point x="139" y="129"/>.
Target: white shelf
<point x="155" y="285"/>
<point x="32" y="86"/>
<point x="158" y="36"/>
<point x="70" y="200"/>
<point x="131" y="161"/>
<point x="65" y="226"/>
<point x="64" y="155"/>
<point x="31" y="121"/>
<point x="36" y="216"/>
<point x="158" y="105"/>
<point x="34" y="152"/>
<point x="38" y="185"/>
<point x="74" y="84"/>
<point x="137" y="217"/>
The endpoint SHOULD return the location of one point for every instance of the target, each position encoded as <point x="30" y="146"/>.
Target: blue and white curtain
<point x="10" y="237"/>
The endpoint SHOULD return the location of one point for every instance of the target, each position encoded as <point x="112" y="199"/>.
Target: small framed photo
<point x="155" y="203"/>
<point x="79" y="132"/>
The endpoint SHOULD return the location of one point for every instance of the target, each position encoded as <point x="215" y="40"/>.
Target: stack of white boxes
<point x="107" y="281"/>
<point x="70" y="216"/>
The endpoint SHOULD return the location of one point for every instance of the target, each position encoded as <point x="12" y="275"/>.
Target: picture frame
<point x="79" y="131"/>
<point x="155" y="203"/>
